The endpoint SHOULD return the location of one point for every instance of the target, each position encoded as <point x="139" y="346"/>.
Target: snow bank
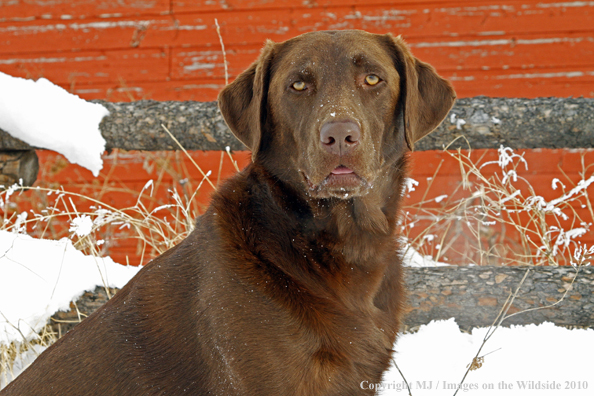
<point x="47" y="116"/>
<point x="413" y="258"/>
<point x="542" y="360"/>
<point x="40" y="277"/>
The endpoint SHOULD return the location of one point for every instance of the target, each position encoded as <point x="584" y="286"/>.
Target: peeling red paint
<point x="505" y="48"/>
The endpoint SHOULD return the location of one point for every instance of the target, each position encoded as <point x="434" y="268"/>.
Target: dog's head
<point x="330" y="111"/>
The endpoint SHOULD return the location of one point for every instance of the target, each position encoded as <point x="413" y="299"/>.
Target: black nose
<point x="339" y="137"/>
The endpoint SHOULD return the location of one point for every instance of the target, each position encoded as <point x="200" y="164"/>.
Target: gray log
<point x="471" y="295"/>
<point x="19" y="167"/>
<point x="518" y="123"/>
<point x="137" y="126"/>
<point x="475" y="295"/>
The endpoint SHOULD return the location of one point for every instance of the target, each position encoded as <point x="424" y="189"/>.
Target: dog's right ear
<point x="243" y="102"/>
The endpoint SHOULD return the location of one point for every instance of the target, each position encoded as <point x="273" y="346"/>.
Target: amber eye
<point x="298" y="85"/>
<point x="372" y="79"/>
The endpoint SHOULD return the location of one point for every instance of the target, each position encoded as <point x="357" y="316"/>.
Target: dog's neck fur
<point x="357" y="225"/>
<point x="346" y="244"/>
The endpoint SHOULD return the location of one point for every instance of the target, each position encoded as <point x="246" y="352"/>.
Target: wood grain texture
<point x="19" y="167"/>
<point x="473" y="296"/>
<point x="482" y="123"/>
<point x="169" y="50"/>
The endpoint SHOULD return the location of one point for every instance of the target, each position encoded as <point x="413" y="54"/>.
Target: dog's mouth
<point x="342" y="177"/>
<point x="342" y="182"/>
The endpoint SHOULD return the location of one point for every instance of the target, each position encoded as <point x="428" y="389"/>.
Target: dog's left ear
<point x="426" y="97"/>
<point x="243" y="102"/>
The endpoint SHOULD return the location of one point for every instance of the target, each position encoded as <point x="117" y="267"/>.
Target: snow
<point x="458" y="121"/>
<point x="47" y="116"/>
<point x="440" y="198"/>
<point x="543" y="360"/>
<point x="410" y="184"/>
<point x="581" y="186"/>
<point x="40" y="277"/>
<point x="555" y="182"/>
<point x="82" y="225"/>
<point x="413" y="258"/>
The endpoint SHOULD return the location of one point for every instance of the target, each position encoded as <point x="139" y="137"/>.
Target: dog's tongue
<point x="341" y="170"/>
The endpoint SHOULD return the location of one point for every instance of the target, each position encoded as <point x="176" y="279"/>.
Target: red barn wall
<point x="170" y="50"/>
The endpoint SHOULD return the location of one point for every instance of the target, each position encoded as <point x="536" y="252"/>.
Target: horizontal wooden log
<point x="517" y="123"/>
<point x="472" y="295"/>
<point x="19" y="167"/>
<point x="475" y="295"/>
<point x="482" y="122"/>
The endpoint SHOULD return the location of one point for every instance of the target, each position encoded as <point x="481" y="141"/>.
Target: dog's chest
<point x="330" y="356"/>
<point x="337" y="362"/>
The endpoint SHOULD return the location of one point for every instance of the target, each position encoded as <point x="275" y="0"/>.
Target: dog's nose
<point x="340" y="137"/>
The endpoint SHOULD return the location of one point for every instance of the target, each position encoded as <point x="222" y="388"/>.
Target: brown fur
<point x="291" y="283"/>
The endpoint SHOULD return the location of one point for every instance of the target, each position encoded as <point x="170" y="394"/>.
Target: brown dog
<point x="291" y="283"/>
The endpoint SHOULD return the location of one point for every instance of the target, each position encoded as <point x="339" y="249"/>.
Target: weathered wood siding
<point x="169" y="50"/>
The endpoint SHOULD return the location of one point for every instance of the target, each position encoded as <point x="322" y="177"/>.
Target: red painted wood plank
<point x="577" y="161"/>
<point x="73" y="68"/>
<point x="198" y="63"/>
<point x="543" y="166"/>
<point x="498" y="83"/>
<point x="126" y="173"/>
<point x="562" y="89"/>
<point x="89" y="34"/>
<point x="186" y="6"/>
<point x="253" y="27"/>
<point x="489" y="19"/>
<point x="207" y="90"/>
<point x="412" y="22"/>
<point x="530" y="53"/>
<point x="513" y="17"/>
<point x="543" y="51"/>
<point x="18" y="10"/>
<point x="199" y="90"/>
<point x="561" y="82"/>
<point x="542" y="184"/>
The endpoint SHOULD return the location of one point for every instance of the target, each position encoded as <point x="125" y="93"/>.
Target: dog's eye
<point x="298" y="86"/>
<point x="372" y="79"/>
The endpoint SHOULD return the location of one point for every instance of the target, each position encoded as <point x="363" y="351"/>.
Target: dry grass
<point x="497" y="218"/>
<point x="160" y="215"/>
<point x="9" y="354"/>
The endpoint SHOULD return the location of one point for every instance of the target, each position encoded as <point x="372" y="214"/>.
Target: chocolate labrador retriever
<point x="291" y="283"/>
